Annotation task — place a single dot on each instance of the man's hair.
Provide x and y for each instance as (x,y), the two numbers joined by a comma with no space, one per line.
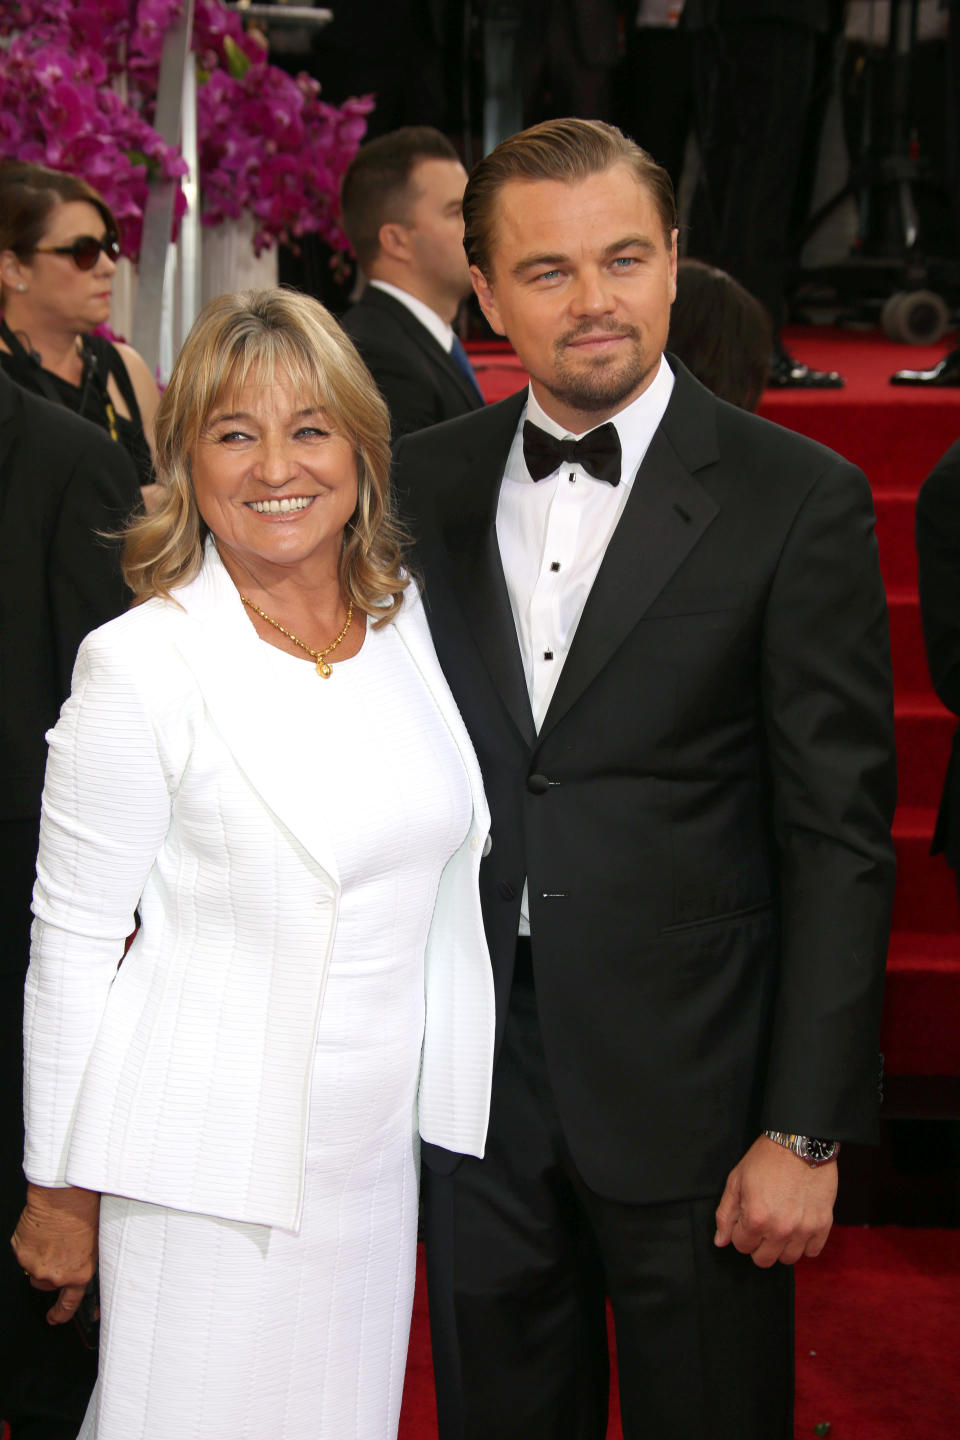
(565,150)
(376,189)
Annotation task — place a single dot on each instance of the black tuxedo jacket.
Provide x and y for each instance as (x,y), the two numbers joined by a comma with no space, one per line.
(705,814)
(415,375)
(938,554)
(62,480)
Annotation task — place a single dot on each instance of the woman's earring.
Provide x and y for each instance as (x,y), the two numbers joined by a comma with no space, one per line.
(21,287)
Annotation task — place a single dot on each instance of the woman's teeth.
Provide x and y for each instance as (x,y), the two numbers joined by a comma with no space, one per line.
(280,507)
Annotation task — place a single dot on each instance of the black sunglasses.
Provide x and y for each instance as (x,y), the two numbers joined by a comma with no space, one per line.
(85,250)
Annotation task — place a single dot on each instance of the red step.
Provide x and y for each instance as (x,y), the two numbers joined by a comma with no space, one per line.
(920,1036)
(898,553)
(910,673)
(926,894)
(924,732)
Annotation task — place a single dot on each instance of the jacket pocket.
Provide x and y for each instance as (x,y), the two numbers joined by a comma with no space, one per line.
(726,918)
(672,603)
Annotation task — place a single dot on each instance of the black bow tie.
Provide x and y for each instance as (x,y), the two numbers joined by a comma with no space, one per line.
(598,452)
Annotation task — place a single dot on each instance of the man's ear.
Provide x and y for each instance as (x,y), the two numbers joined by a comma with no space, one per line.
(488,304)
(394,240)
(674,234)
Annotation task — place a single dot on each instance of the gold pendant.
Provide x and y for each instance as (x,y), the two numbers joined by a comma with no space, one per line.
(324,669)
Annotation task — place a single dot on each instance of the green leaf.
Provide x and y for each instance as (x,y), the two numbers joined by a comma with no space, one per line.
(823,1428)
(237,62)
(137,157)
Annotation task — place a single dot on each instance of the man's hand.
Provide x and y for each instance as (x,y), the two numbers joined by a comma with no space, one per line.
(775,1206)
(55,1243)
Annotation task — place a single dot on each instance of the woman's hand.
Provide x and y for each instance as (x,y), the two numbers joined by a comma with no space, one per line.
(55,1243)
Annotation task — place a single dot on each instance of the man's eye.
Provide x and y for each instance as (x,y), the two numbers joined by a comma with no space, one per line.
(548,275)
(624,262)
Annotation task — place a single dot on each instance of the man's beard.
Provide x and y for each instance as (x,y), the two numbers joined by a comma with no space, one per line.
(601,386)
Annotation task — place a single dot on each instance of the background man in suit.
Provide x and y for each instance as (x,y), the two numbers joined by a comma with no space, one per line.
(61,481)
(669,642)
(402,209)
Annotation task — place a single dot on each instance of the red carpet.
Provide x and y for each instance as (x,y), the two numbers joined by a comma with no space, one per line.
(878,1331)
(895,435)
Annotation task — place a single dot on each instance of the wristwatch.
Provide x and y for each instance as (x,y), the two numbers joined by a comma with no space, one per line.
(815,1152)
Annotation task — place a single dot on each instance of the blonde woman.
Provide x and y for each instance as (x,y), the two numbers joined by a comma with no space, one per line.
(264,759)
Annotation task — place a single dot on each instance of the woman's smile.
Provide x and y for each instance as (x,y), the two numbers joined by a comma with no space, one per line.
(282,506)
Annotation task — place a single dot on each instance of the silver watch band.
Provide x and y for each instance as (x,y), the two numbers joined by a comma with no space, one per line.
(815,1152)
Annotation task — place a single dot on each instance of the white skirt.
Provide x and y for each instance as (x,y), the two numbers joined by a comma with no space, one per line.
(216,1330)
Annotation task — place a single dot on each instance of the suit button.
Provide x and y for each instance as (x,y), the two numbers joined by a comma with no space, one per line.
(538,784)
(505,890)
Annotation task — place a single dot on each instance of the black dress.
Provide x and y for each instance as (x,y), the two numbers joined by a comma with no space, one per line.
(90,398)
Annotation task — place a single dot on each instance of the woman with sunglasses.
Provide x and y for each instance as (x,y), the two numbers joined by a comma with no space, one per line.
(58,251)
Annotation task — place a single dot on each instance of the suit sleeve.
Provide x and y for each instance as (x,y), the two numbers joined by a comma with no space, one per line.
(828,715)
(86,587)
(938,555)
(106,811)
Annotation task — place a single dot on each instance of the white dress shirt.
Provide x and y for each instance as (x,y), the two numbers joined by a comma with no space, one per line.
(439,329)
(553,535)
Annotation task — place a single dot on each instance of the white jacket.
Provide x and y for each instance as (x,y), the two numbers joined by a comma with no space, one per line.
(174,784)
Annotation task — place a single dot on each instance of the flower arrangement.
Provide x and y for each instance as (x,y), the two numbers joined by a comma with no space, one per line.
(78,86)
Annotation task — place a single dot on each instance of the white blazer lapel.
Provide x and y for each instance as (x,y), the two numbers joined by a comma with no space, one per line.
(411,623)
(221,647)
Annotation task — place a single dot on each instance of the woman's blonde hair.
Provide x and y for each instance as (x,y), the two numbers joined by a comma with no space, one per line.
(245,338)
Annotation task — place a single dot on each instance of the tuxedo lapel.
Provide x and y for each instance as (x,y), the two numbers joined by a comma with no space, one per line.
(667,512)
(469,534)
(417,334)
(439,358)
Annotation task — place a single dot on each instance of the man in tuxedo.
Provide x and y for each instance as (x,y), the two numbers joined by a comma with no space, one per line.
(402,209)
(63,482)
(663,621)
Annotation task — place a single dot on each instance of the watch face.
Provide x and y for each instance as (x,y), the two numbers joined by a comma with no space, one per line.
(820,1150)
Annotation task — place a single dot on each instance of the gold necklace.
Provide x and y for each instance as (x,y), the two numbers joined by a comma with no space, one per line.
(319,655)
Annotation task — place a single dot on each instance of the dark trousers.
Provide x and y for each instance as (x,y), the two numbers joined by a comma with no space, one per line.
(752,87)
(46,1373)
(653,95)
(521,1255)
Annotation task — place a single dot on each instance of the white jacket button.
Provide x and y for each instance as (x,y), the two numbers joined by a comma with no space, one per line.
(474,842)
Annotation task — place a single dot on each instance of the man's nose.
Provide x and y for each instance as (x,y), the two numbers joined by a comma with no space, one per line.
(592,294)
